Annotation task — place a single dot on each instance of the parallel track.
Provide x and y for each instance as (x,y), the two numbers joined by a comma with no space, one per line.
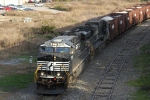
(106,85)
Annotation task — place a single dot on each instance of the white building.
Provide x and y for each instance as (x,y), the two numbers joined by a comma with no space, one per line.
(7,2)
(15,2)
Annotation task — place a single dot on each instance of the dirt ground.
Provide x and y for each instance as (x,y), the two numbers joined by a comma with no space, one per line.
(16,65)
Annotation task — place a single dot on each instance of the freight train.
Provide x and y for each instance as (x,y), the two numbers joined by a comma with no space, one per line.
(63,58)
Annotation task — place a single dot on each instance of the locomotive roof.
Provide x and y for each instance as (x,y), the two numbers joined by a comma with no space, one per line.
(117,16)
(95,20)
(62,39)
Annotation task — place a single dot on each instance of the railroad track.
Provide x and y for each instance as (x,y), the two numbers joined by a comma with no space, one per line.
(105,87)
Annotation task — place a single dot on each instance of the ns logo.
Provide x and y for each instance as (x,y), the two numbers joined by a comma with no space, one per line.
(50,66)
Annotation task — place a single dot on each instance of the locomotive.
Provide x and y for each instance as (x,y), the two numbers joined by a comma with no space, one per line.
(62,59)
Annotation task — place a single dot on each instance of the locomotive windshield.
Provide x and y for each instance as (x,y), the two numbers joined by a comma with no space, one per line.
(55,49)
(49,49)
(46,49)
(62,49)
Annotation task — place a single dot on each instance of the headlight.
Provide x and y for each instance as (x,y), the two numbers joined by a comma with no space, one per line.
(58,73)
(42,73)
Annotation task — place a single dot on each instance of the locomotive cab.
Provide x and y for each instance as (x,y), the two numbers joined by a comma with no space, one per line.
(53,62)
(63,58)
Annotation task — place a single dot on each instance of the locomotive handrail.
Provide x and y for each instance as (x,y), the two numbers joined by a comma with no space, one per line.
(64,69)
(35,73)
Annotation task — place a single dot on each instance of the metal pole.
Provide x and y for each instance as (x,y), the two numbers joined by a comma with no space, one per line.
(30,61)
(30,68)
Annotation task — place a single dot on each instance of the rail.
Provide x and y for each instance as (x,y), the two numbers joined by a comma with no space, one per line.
(104,88)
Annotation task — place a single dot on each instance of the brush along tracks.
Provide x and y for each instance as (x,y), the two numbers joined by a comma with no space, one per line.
(105,87)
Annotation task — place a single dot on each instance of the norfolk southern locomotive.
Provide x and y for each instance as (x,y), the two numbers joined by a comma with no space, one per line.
(62,58)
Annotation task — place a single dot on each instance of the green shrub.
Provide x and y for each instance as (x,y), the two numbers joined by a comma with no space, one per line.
(43,30)
(47,29)
(63,8)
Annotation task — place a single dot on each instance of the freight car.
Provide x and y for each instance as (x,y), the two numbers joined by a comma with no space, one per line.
(63,58)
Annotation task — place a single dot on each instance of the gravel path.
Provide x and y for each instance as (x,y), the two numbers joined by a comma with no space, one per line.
(84,85)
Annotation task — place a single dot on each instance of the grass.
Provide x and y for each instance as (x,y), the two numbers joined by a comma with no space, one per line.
(27,57)
(142,61)
(18,37)
(62,7)
(17,81)
(142,82)
(24,36)
(141,95)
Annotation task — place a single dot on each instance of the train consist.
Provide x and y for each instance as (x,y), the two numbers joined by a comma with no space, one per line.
(63,58)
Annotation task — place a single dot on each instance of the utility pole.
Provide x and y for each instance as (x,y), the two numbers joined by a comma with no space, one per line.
(30,61)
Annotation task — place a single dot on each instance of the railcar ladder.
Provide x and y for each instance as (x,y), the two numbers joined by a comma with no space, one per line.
(35,73)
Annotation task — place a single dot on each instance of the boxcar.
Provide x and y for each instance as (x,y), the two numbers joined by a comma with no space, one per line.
(130,17)
(135,16)
(147,8)
(141,13)
(127,19)
(121,20)
(113,26)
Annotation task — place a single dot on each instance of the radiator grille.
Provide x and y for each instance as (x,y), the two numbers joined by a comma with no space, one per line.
(53,66)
